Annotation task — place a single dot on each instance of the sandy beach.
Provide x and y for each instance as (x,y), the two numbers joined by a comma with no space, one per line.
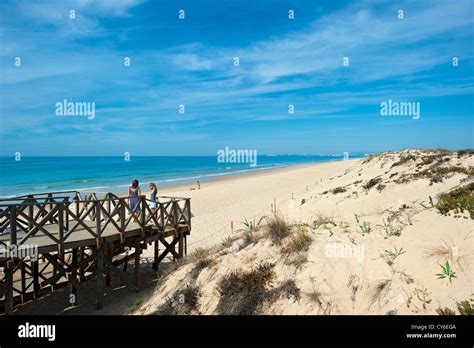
(248,196)
(374,240)
(392,266)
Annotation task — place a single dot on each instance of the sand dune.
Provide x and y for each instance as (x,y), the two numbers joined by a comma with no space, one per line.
(365,237)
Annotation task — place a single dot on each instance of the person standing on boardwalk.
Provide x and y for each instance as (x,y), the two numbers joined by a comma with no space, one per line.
(153,192)
(134,193)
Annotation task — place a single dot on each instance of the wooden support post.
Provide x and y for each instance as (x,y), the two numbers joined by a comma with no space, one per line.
(156,252)
(30,213)
(36,286)
(122,220)
(137,263)
(13,239)
(142,214)
(181,246)
(100,278)
(162,218)
(173,248)
(109,256)
(23,280)
(175,216)
(66,214)
(9,287)
(82,266)
(61,230)
(97,224)
(50,199)
(74,263)
(122,277)
(125,264)
(185,245)
(188,210)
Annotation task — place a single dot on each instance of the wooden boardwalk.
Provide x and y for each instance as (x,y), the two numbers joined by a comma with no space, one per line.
(52,240)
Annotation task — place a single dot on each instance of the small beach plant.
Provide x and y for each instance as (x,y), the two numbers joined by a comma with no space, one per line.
(323,221)
(298,242)
(252,225)
(392,312)
(387,229)
(423,295)
(278,229)
(445,311)
(227,242)
(357,218)
(371,183)
(249,237)
(338,190)
(184,301)
(365,227)
(344,226)
(465,307)
(447,272)
(392,255)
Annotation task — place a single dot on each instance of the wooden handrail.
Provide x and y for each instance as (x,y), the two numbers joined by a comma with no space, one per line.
(33,215)
(36,194)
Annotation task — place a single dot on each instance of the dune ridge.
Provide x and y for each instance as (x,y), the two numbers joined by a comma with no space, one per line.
(364,236)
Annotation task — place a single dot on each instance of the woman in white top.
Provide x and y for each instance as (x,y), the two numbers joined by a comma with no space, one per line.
(153,193)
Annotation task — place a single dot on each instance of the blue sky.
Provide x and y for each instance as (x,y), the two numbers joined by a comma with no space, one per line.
(191,62)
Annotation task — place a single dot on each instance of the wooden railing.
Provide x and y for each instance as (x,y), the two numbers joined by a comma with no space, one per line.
(58,215)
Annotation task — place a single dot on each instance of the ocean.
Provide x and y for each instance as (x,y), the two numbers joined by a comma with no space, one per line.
(114,174)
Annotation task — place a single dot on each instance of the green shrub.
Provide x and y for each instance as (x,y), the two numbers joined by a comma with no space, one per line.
(338,190)
(445,311)
(403,160)
(184,301)
(299,242)
(465,308)
(458,200)
(242,292)
(371,183)
(278,229)
(465,152)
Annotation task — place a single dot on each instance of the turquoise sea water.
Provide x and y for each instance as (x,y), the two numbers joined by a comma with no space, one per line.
(114,174)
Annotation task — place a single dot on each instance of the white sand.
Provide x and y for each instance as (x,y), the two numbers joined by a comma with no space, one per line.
(364,282)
